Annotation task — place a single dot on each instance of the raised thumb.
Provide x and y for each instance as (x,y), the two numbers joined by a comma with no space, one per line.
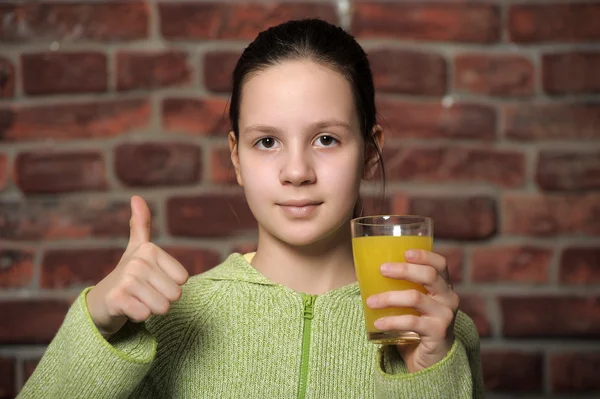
(140,222)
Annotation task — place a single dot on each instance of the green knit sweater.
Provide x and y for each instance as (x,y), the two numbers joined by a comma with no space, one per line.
(236,334)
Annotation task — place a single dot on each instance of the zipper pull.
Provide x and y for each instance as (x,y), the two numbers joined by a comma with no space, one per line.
(309,303)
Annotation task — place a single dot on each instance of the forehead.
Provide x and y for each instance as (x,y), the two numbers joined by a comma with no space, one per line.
(296,93)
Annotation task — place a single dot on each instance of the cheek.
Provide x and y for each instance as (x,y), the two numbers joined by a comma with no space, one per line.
(257,176)
(344,172)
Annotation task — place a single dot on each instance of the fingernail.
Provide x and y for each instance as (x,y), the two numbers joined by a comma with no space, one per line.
(410,254)
(372,301)
(378,323)
(386,268)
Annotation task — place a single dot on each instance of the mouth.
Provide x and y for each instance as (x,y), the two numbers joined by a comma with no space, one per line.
(300,203)
(299,209)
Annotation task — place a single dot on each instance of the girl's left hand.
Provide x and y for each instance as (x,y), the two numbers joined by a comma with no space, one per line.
(438,308)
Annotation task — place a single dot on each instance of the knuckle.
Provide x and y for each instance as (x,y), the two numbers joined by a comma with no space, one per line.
(455,301)
(430,275)
(447,316)
(412,322)
(140,315)
(148,247)
(176,294)
(162,307)
(137,266)
(129,284)
(415,297)
(115,296)
(400,268)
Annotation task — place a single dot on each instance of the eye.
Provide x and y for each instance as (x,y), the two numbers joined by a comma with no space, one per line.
(326,141)
(266,143)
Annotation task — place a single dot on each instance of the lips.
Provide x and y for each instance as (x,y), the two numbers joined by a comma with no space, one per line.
(298,209)
(300,203)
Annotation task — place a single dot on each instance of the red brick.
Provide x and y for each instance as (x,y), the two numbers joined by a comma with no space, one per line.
(214,20)
(100,119)
(455,164)
(539,215)
(494,74)
(55,73)
(531,23)
(195,260)
(4,171)
(207,116)
(524,264)
(218,68)
(158,164)
(7,378)
(474,306)
(550,317)
(31,321)
(575,372)
(70,21)
(57,219)
(568,170)
(209,216)
(575,121)
(454,261)
(476,23)
(41,173)
(571,73)
(427,120)
(513,371)
(141,70)
(16,267)
(458,218)
(408,72)
(67,268)
(29,367)
(222,170)
(7,78)
(580,265)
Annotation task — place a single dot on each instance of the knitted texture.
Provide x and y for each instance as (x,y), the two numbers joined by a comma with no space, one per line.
(236,334)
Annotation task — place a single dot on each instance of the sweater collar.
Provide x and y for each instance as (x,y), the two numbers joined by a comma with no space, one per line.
(237,267)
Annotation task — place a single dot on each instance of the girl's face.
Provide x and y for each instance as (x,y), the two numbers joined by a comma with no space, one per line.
(300,154)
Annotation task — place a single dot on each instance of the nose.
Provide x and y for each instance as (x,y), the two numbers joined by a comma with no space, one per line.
(297,168)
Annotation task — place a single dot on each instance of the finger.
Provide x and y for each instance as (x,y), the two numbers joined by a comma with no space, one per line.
(423,303)
(171,267)
(164,284)
(154,256)
(135,310)
(148,296)
(423,257)
(425,275)
(423,326)
(139,224)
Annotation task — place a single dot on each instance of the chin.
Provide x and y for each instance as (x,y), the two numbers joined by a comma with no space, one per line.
(303,236)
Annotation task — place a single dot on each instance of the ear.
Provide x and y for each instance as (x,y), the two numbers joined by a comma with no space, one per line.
(371,153)
(235,159)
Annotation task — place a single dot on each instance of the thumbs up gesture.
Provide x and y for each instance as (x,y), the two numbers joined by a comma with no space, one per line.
(145,281)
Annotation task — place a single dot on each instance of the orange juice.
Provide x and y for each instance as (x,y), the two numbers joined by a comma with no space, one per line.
(369,254)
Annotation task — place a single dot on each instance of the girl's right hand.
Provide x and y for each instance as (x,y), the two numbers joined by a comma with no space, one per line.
(145,282)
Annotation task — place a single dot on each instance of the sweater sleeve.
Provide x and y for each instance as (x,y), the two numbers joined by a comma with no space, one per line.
(80,363)
(458,375)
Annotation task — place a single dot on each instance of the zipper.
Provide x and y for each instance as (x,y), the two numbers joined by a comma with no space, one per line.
(309,303)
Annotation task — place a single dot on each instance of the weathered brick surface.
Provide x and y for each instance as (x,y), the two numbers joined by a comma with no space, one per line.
(491,113)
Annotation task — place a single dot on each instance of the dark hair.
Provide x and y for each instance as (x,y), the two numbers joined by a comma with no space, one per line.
(320,42)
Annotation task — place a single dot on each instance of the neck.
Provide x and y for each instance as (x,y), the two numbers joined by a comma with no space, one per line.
(314,269)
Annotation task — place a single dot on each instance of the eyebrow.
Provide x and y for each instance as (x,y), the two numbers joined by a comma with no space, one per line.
(317,125)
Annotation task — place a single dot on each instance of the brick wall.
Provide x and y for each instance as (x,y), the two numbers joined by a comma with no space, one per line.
(493,116)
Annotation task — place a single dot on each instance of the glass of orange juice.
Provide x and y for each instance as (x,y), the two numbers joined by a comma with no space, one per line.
(382,239)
